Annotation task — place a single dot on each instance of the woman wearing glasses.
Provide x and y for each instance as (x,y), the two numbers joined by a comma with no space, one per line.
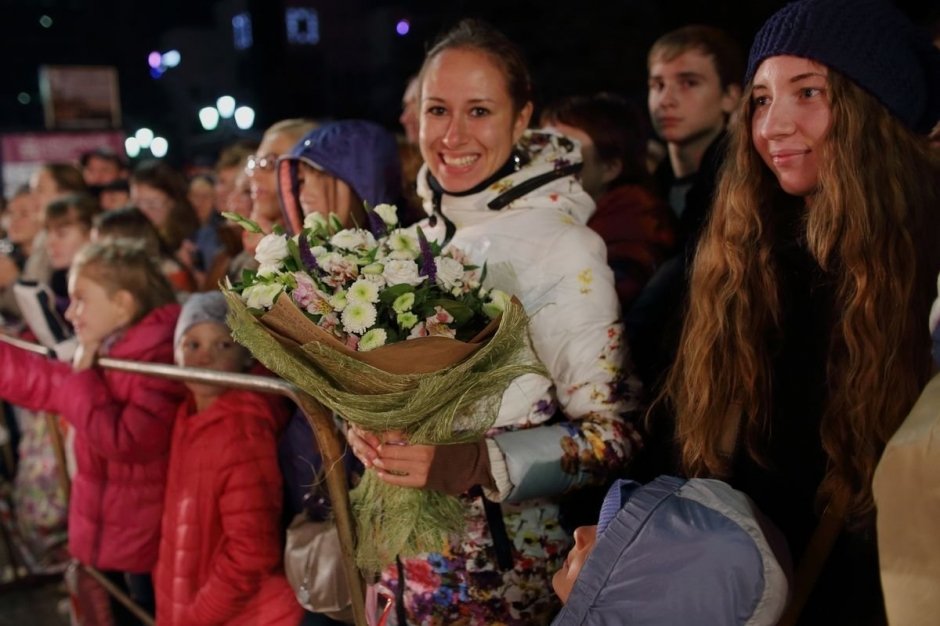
(277,140)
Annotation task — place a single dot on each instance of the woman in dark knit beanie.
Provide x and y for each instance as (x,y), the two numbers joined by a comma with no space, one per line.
(804,346)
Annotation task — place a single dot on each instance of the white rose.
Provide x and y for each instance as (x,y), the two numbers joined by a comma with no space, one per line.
(271,250)
(449,272)
(388,213)
(353,239)
(404,244)
(261,296)
(498,303)
(315,221)
(266,269)
(397,272)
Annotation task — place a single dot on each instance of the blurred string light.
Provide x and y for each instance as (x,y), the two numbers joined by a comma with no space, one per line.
(226,108)
(159,147)
(402,27)
(241,31)
(144,139)
(132,147)
(160,62)
(303,26)
(23,98)
(244,117)
(209,117)
(171,58)
(45,21)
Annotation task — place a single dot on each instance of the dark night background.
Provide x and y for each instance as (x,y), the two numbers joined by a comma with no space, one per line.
(357,69)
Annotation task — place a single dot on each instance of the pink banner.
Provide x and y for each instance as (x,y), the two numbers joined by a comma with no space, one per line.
(22,153)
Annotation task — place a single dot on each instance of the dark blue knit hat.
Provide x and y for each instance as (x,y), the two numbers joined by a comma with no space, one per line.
(868,41)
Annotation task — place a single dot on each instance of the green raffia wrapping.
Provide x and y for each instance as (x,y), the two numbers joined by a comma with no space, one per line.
(455,404)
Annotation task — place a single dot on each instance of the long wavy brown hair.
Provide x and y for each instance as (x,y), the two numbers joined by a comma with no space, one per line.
(873,230)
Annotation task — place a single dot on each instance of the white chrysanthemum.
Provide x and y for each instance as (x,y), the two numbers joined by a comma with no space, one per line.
(338,301)
(362,291)
(262,295)
(404,302)
(271,250)
(388,213)
(373,339)
(358,317)
(449,272)
(398,272)
(407,320)
(317,252)
(353,239)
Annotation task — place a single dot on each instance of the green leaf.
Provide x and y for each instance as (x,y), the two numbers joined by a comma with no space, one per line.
(389,294)
(294,250)
(335,224)
(461,312)
(278,229)
(247,224)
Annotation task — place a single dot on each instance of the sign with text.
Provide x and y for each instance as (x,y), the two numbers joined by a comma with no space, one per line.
(80,96)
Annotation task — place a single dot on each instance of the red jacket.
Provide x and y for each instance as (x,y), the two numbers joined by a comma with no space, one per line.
(638,229)
(221,552)
(123,424)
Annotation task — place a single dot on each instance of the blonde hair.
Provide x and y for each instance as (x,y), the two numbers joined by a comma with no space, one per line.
(294,128)
(120,263)
(872,230)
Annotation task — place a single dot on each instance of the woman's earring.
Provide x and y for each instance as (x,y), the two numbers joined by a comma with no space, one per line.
(517,162)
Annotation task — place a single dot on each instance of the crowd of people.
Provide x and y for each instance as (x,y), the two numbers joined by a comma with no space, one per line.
(736,292)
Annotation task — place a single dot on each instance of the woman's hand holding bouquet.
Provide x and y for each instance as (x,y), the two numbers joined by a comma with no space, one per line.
(398,337)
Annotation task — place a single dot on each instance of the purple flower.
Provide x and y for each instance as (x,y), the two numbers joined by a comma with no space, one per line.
(306,256)
(428,268)
(376,225)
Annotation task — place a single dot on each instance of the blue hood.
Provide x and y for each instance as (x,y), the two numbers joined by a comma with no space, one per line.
(362,154)
(679,552)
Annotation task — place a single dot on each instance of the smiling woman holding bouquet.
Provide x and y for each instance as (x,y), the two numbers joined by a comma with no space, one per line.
(510,198)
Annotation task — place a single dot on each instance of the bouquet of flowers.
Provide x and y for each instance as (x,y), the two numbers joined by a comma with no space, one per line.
(391,332)
(369,288)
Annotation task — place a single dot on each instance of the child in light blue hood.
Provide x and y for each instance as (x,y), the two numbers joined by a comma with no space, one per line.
(674,551)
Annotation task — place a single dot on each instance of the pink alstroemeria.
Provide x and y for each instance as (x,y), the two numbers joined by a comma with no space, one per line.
(329,322)
(437,324)
(309,297)
(418,331)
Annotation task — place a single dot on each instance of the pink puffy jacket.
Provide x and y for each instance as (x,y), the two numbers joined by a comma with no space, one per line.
(123,425)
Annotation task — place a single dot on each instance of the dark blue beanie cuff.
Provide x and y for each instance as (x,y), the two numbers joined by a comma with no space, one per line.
(870,42)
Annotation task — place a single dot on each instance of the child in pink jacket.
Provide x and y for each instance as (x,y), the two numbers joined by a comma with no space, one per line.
(121,307)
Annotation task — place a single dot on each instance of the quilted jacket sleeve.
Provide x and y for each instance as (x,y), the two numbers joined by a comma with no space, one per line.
(32,381)
(136,430)
(251,490)
(577,333)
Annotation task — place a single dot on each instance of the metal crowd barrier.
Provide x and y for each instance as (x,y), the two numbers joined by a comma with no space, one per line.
(328,439)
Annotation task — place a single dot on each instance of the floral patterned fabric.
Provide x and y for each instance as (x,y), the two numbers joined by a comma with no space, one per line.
(39,499)
(552,435)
